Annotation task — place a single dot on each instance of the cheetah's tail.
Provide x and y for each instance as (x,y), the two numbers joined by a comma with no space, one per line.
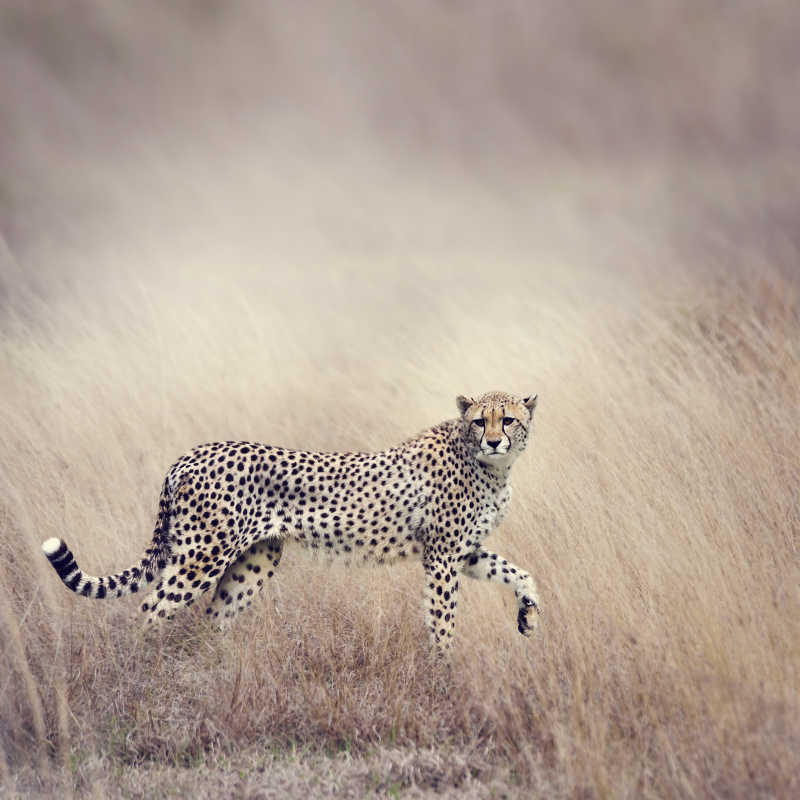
(120,583)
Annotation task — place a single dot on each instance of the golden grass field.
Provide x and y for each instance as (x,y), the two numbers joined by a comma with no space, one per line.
(574,208)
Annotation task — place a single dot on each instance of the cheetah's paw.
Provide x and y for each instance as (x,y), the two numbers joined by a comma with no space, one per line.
(527,618)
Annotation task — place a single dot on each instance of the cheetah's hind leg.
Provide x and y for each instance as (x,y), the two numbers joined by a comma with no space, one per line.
(244,578)
(178,587)
(190,572)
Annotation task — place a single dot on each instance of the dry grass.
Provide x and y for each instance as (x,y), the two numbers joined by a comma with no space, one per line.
(167,289)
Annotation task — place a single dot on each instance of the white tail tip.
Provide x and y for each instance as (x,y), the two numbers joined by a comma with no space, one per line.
(51,545)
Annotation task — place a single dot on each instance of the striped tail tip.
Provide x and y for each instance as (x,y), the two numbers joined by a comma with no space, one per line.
(63,562)
(52,547)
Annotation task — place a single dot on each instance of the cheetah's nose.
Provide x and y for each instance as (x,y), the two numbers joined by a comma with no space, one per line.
(493,443)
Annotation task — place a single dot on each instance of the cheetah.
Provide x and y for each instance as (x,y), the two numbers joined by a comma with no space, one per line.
(227,510)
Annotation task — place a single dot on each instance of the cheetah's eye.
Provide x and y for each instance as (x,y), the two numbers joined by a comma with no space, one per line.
(508,420)
(479,422)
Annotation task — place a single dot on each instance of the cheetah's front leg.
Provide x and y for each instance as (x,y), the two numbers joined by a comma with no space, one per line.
(441,590)
(482,564)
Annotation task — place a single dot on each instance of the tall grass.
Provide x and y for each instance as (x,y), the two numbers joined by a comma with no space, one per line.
(657,507)
(228,281)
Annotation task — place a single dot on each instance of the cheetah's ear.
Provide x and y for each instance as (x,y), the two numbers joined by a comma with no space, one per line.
(530,402)
(463,403)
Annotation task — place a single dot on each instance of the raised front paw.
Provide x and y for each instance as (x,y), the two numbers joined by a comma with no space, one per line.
(528,615)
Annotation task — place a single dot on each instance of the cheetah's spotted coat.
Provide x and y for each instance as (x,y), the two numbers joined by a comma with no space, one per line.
(227,510)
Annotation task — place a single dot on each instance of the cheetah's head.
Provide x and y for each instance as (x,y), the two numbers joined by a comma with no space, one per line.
(496,426)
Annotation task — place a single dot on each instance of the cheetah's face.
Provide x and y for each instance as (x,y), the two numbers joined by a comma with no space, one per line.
(496,426)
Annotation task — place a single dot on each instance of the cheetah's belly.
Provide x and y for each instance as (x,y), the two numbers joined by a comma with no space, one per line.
(381,528)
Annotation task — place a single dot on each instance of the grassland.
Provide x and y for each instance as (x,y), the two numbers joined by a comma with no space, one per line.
(173,273)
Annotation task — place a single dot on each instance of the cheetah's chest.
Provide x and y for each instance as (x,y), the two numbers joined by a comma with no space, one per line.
(494,511)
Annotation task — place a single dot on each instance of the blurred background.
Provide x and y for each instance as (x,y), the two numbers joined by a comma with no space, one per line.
(271,136)
(314,224)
